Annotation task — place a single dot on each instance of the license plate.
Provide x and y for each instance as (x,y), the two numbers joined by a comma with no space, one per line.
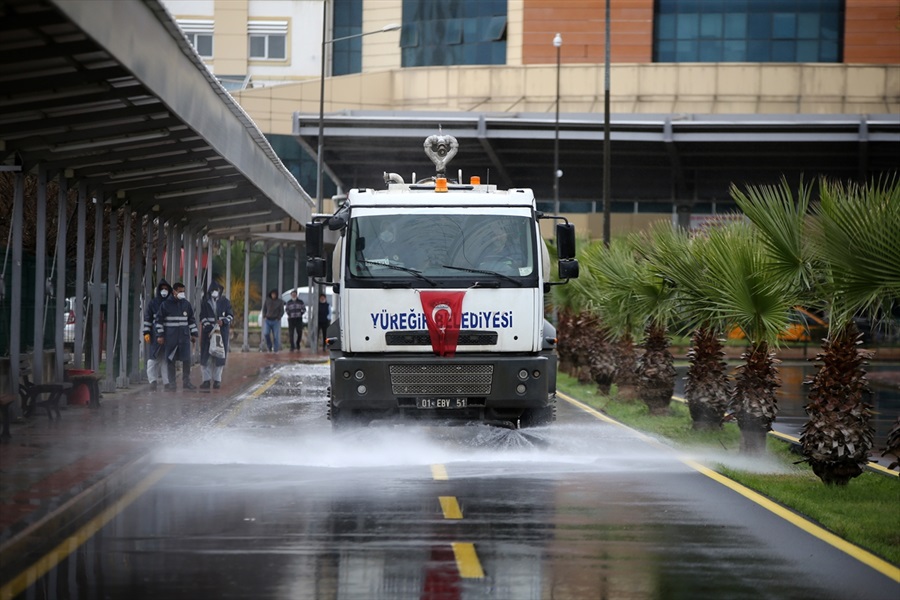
(441,402)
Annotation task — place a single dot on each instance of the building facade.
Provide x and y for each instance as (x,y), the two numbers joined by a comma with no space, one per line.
(803,65)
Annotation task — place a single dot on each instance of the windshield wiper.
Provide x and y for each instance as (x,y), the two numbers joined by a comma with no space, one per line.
(484,272)
(399,268)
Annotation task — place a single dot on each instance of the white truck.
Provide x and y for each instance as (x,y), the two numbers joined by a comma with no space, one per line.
(441,312)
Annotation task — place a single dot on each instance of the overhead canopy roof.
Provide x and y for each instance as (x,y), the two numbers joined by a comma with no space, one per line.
(113,94)
(654,158)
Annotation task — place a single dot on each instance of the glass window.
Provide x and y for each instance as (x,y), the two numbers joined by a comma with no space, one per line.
(748,30)
(784,25)
(204,44)
(276,46)
(257,46)
(409,35)
(453,32)
(711,26)
(441,247)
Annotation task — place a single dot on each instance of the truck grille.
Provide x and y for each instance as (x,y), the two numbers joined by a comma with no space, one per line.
(450,380)
(421,338)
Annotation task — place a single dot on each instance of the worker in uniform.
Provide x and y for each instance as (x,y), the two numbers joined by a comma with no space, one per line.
(176,330)
(155,358)
(215,310)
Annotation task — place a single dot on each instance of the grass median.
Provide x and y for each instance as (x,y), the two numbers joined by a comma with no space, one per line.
(866,512)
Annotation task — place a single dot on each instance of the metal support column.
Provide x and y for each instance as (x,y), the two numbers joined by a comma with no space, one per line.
(61,226)
(81,236)
(228,268)
(125,319)
(295,283)
(96,282)
(246,346)
(15,329)
(280,269)
(109,382)
(40,277)
(137,289)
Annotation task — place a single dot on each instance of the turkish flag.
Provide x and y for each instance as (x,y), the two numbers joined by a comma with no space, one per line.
(443,313)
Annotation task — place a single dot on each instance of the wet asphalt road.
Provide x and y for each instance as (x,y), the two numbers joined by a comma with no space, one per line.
(268,503)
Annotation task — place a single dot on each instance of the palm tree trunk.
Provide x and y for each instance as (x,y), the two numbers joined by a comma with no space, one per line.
(706,388)
(753,399)
(656,371)
(838,437)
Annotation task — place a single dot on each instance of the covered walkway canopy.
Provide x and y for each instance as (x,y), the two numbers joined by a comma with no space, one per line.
(110,98)
(656,160)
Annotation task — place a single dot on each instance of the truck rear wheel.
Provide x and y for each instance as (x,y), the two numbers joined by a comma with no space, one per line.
(536,417)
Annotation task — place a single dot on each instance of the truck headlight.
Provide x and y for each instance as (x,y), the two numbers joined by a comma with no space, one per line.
(523,374)
(359,375)
(361,390)
(520,389)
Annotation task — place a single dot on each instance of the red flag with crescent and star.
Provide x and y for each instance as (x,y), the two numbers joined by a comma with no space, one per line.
(443,313)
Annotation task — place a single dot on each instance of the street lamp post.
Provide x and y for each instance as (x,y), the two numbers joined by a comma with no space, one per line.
(325,42)
(557,42)
(313,307)
(606,144)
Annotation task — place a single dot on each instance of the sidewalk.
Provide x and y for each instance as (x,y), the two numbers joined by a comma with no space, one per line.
(49,466)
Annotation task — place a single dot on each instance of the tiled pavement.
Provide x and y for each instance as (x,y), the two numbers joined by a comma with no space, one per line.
(48,465)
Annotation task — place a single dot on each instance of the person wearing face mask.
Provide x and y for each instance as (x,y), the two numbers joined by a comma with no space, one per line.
(176,330)
(215,309)
(273,309)
(155,358)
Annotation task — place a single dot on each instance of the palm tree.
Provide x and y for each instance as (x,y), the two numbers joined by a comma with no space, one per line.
(846,258)
(631,296)
(752,296)
(678,256)
(856,234)
(586,339)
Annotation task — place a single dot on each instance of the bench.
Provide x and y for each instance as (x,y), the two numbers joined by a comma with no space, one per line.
(31,393)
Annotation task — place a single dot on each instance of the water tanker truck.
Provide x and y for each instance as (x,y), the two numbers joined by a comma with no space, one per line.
(441,312)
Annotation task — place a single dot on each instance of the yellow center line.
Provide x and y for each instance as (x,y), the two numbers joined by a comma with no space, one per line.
(467,560)
(864,556)
(49,561)
(450,507)
(439,473)
(229,418)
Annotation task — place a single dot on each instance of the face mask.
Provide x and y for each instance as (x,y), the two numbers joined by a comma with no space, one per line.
(180,295)
(164,293)
(215,294)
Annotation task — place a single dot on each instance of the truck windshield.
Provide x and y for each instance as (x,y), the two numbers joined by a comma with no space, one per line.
(442,246)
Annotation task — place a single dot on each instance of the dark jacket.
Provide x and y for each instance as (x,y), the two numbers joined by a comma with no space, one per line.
(175,322)
(324,313)
(273,309)
(295,308)
(213,311)
(150,314)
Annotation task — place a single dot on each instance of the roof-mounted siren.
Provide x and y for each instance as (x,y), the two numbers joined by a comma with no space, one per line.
(441,149)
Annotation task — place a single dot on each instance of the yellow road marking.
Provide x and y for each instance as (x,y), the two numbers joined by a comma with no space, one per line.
(843,545)
(826,536)
(450,507)
(439,473)
(467,560)
(49,561)
(233,414)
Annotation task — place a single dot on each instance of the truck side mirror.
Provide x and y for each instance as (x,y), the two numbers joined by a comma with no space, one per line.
(315,243)
(568,269)
(315,251)
(565,241)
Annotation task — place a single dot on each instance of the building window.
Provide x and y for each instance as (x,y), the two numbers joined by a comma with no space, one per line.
(199,32)
(748,31)
(346,56)
(268,40)
(464,32)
